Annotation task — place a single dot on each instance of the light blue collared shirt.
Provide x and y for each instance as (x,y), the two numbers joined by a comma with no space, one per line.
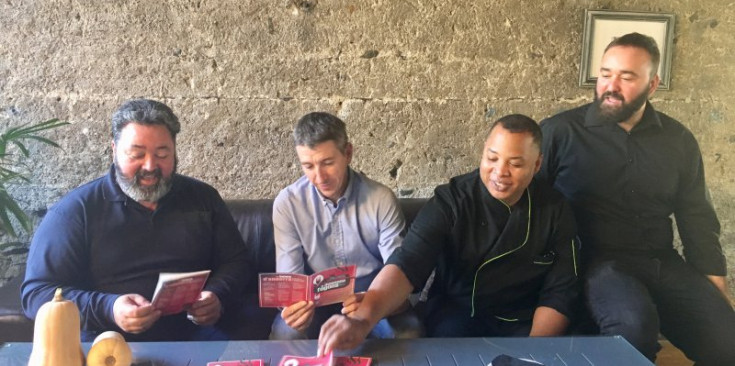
(363,228)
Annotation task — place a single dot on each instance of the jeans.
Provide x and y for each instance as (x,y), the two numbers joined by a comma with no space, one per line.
(447,319)
(403,325)
(639,296)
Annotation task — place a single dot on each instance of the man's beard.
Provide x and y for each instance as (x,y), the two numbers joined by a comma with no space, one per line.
(133,189)
(615,115)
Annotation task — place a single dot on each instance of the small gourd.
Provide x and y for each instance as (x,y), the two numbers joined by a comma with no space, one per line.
(109,349)
(56,334)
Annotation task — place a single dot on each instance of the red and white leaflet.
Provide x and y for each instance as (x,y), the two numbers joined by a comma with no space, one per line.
(176,291)
(326,360)
(352,361)
(236,363)
(282,289)
(333,285)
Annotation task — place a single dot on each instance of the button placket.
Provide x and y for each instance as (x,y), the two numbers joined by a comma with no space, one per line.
(338,245)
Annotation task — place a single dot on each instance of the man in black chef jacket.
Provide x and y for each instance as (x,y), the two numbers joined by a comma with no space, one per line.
(501,244)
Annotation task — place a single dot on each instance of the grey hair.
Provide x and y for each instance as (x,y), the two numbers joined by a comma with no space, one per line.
(144,112)
(317,127)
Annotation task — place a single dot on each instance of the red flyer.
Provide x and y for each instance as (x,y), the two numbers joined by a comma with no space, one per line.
(236,363)
(329,286)
(326,360)
(352,361)
(175,291)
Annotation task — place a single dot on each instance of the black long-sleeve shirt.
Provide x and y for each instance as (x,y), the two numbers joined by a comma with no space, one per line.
(624,186)
(97,243)
(495,260)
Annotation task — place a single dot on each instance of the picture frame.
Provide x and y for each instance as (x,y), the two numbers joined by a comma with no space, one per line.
(601,26)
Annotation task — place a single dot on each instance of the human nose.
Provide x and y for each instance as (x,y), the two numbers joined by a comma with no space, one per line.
(320,174)
(149,163)
(501,169)
(613,84)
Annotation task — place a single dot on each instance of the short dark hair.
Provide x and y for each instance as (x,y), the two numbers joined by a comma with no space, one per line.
(641,41)
(144,112)
(519,123)
(317,127)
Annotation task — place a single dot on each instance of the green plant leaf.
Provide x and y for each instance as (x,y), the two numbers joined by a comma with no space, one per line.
(16,251)
(44,140)
(15,136)
(23,149)
(14,247)
(10,207)
(12,244)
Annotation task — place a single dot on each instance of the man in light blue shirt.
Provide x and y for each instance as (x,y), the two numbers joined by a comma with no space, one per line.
(331,216)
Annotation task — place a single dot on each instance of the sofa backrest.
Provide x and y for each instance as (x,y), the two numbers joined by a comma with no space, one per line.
(255,221)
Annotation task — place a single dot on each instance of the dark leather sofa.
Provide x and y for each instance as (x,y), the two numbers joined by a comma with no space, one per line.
(253,219)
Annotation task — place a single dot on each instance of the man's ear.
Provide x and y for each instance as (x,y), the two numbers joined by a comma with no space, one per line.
(653,85)
(112,152)
(348,152)
(537,166)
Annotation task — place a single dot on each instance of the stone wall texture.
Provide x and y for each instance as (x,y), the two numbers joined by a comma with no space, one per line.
(417,82)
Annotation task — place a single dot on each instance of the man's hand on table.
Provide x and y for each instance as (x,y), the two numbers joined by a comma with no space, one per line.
(133,313)
(299,315)
(206,310)
(342,332)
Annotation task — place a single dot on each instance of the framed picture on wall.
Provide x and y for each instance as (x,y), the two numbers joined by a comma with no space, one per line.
(601,26)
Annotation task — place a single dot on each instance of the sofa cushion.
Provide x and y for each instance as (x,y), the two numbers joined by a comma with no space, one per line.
(14,326)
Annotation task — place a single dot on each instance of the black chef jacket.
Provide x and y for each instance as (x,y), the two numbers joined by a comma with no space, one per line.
(498,261)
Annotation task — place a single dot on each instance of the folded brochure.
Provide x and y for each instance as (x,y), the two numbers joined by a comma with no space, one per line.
(176,291)
(236,363)
(326,360)
(326,287)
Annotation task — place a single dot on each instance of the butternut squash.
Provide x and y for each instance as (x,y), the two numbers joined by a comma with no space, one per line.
(109,349)
(56,334)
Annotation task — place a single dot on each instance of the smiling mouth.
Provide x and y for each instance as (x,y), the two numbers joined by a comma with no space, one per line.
(148,181)
(148,178)
(501,187)
(613,100)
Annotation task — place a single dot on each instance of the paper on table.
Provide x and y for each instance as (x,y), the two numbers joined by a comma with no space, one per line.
(326,360)
(236,363)
(352,361)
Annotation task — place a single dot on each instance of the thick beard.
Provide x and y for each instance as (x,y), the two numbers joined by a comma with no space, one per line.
(132,188)
(615,115)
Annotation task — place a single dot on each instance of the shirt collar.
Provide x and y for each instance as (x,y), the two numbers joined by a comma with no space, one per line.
(648,120)
(112,191)
(351,176)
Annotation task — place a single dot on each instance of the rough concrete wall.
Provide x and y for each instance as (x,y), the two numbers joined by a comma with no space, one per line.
(417,81)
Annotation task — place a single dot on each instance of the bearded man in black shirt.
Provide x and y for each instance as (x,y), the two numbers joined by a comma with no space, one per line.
(625,169)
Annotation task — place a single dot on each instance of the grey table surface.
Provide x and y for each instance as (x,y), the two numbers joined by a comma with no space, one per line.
(551,351)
